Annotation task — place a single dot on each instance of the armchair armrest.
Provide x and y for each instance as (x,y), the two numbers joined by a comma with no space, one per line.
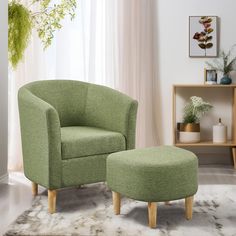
(109,109)
(131,127)
(41,140)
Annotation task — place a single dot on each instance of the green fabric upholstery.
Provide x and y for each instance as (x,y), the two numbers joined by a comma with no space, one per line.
(67,97)
(53,115)
(79,141)
(153,174)
(107,109)
(41,140)
(84,170)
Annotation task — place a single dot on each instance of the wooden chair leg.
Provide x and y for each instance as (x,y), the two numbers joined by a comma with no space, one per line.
(152,214)
(52,195)
(116,202)
(234,156)
(34,189)
(189,207)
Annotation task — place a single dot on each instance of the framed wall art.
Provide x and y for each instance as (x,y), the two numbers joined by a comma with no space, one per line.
(203,41)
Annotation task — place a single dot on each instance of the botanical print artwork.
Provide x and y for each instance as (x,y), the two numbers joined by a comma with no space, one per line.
(203,36)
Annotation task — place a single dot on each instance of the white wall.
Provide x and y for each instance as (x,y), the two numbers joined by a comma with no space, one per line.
(3,89)
(174,65)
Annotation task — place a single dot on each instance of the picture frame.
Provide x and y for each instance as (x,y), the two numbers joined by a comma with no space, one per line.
(203,36)
(210,76)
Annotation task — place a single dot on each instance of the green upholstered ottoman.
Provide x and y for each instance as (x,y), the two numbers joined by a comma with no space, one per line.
(158,174)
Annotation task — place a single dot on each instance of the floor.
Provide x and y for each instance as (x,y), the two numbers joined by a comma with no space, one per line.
(16,196)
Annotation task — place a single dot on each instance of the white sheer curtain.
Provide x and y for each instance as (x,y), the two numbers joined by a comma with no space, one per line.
(110,42)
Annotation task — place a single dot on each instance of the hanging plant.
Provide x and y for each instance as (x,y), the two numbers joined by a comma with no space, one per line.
(19,30)
(46,20)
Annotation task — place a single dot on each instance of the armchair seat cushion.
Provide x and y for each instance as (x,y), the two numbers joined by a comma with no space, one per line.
(81,141)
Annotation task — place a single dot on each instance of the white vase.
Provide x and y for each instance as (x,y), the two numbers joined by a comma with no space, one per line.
(219,133)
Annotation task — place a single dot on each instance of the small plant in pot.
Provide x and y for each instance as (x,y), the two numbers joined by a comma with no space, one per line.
(193,111)
(226,63)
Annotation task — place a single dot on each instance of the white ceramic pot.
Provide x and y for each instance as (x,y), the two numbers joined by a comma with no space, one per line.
(189,137)
(189,132)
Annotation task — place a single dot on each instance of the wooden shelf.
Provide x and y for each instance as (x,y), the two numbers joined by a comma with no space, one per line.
(229,143)
(180,88)
(204,86)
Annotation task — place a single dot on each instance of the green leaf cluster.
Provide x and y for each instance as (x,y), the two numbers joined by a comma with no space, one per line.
(195,109)
(49,18)
(46,20)
(225,63)
(19,31)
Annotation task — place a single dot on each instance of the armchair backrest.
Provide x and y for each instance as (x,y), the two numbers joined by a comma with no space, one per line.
(107,108)
(81,103)
(67,97)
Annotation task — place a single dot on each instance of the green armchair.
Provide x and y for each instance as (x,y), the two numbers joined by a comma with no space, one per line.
(68,129)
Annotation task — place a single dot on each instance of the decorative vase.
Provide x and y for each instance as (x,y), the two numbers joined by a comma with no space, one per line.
(225,80)
(219,133)
(189,132)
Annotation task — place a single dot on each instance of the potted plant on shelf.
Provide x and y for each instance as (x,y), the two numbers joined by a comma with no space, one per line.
(189,130)
(225,63)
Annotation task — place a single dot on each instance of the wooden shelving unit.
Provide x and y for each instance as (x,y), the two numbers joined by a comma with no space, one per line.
(229,143)
(206,143)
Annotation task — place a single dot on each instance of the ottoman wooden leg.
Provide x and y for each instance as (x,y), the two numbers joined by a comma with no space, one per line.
(189,207)
(152,214)
(52,195)
(116,202)
(34,189)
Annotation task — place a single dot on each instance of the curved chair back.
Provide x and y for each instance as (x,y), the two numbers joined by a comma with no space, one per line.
(83,104)
(67,97)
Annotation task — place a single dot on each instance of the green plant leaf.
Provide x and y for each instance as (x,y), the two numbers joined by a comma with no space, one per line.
(19,31)
(46,20)
(225,63)
(50,18)
(195,109)
(231,66)
(215,67)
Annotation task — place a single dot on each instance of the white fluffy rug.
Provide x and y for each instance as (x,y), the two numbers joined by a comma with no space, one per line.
(89,211)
